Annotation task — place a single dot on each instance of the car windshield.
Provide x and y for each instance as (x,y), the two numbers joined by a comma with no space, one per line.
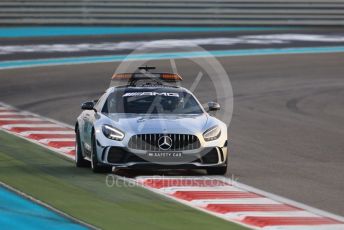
(151,101)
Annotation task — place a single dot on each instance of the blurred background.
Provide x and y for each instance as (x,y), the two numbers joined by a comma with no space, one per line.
(172,12)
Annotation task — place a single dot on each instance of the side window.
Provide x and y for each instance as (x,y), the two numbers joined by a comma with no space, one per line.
(110,105)
(105,107)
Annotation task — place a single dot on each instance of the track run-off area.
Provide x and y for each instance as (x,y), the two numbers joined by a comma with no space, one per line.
(285,136)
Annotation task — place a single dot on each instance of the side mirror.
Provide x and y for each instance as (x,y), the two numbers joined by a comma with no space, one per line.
(213,106)
(89,105)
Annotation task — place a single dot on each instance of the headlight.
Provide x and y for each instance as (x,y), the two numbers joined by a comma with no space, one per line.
(113,133)
(212,134)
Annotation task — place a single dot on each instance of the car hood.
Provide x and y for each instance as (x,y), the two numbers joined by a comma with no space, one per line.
(136,123)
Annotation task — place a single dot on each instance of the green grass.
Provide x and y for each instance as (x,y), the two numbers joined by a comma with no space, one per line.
(54,180)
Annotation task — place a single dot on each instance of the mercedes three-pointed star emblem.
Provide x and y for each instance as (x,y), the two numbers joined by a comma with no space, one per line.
(165,143)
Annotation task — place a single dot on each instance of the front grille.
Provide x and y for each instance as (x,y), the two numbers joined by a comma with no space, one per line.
(149,142)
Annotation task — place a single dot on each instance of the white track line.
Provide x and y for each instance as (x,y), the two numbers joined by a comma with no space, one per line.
(31,126)
(171,190)
(5,109)
(242,215)
(48,140)
(314,227)
(204,202)
(21,119)
(27,133)
(66,149)
(9,113)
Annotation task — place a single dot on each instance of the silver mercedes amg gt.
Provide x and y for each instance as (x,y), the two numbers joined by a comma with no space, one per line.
(146,121)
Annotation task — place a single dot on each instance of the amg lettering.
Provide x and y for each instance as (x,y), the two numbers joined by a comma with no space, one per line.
(138,94)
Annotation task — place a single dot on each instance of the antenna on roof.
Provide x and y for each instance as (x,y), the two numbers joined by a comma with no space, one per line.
(146,68)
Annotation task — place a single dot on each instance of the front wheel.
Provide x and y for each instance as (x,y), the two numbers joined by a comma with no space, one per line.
(221,170)
(80,161)
(217,171)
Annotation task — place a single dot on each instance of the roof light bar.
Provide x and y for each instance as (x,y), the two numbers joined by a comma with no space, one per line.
(122,76)
(171,77)
(134,76)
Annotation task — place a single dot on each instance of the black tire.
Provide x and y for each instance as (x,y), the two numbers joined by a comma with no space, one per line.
(96,166)
(217,171)
(80,161)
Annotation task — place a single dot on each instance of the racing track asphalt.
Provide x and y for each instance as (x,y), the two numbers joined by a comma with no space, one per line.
(287,132)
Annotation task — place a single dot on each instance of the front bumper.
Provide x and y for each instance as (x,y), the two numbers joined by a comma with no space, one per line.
(121,157)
